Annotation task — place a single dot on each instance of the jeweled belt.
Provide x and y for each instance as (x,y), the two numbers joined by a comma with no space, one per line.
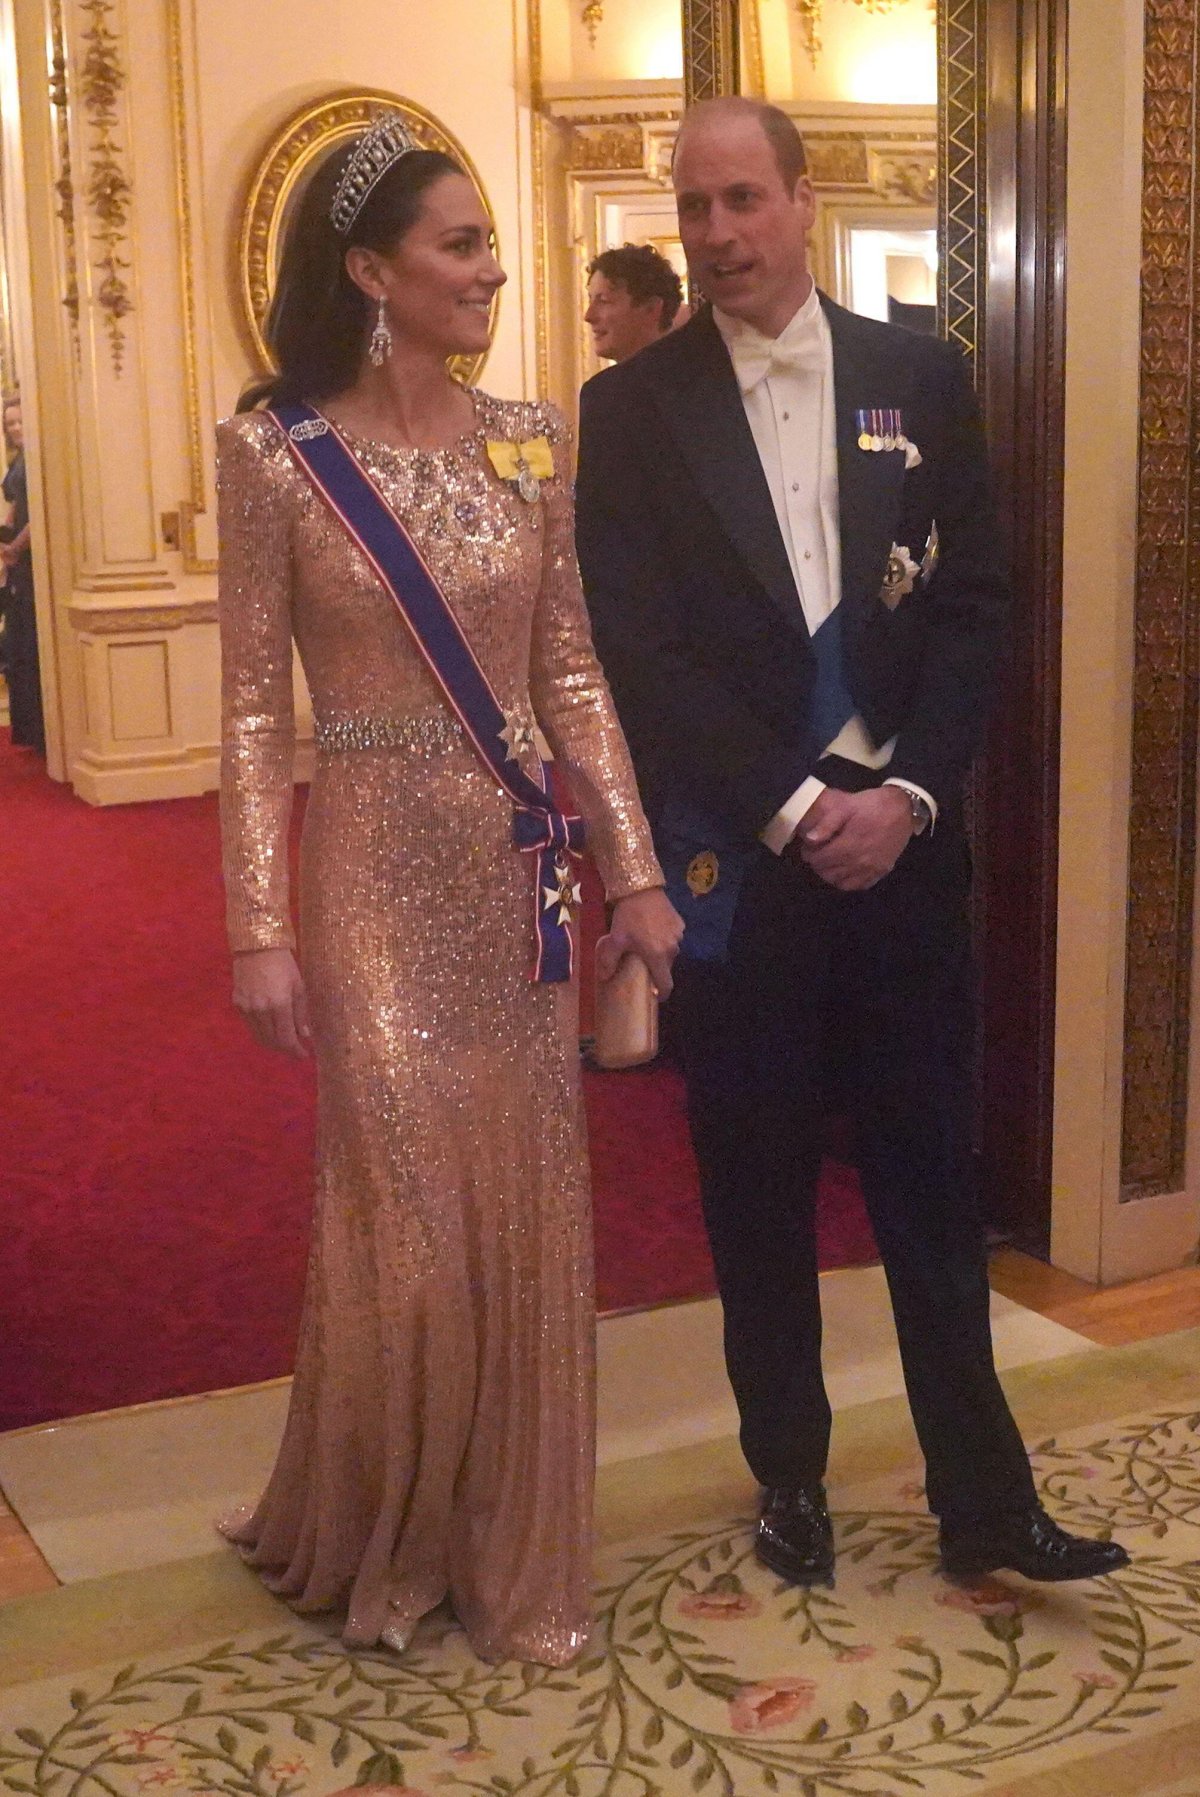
(439,732)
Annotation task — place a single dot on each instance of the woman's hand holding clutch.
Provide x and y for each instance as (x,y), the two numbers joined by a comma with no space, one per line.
(269,992)
(645,924)
(633,970)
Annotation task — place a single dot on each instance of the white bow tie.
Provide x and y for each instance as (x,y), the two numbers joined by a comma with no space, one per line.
(754,361)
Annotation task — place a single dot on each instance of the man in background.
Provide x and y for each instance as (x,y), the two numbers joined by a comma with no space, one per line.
(634,296)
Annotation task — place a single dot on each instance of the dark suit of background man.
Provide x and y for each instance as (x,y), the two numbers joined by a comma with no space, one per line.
(790,557)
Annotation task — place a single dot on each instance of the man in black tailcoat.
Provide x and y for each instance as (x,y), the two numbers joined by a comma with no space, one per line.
(791,562)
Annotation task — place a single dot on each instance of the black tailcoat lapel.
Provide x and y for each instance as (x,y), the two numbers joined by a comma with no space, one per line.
(697,392)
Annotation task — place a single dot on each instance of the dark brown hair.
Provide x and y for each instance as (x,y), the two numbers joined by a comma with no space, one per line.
(644,274)
(320,320)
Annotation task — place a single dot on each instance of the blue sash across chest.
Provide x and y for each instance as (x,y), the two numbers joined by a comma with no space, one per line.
(540,828)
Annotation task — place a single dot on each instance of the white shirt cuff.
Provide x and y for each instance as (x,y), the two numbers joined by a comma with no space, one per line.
(783,825)
(908,786)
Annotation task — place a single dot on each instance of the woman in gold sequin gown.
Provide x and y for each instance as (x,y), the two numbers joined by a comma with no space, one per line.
(440,1436)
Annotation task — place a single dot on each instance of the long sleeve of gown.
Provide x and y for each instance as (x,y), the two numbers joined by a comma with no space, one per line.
(572,702)
(257,720)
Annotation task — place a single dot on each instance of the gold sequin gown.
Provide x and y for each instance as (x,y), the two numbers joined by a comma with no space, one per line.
(440,1440)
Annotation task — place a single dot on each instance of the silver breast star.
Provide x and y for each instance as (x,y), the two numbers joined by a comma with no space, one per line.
(516,735)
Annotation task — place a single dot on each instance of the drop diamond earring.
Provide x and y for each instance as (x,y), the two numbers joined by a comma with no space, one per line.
(381,337)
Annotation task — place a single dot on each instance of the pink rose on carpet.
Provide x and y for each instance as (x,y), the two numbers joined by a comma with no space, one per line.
(141,1740)
(772,1704)
(1097,1681)
(377,1791)
(848,1654)
(988,1598)
(723,1599)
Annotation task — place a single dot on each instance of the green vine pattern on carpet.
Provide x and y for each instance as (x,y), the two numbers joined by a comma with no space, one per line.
(706,1674)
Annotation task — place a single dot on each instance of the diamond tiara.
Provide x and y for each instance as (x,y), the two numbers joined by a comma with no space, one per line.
(374,154)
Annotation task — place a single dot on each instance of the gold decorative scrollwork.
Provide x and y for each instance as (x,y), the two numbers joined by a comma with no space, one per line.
(1166,666)
(615,144)
(107,190)
(291,156)
(593,17)
(64,185)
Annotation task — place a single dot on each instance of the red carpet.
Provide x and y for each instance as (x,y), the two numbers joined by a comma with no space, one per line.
(156,1166)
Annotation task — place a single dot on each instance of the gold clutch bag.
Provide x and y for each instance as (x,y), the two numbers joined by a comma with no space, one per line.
(626,1022)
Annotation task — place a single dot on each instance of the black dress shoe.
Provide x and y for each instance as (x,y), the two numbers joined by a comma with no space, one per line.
(1029,1542)
(795,1535)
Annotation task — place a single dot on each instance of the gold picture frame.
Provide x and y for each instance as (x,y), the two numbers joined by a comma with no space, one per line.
(292,153)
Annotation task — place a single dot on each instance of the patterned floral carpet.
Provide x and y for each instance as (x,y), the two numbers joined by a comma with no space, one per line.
(706,1675)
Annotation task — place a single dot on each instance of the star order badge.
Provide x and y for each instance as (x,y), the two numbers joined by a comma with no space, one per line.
(899,577)
(565,895)
(516,735)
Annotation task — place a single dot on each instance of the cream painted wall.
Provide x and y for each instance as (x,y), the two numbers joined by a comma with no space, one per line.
(634,40)
(459,62)
(869,58)
(201,88)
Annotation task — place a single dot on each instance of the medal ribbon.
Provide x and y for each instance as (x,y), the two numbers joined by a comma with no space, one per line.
(540,828)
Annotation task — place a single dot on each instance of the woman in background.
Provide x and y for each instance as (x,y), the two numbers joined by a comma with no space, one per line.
(440,1437)
(22,668)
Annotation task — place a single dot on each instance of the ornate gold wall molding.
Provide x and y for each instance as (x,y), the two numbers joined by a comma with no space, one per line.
(606,146)
(1162,852)
(64,184)
(754,73)
(107,190)
(129,619)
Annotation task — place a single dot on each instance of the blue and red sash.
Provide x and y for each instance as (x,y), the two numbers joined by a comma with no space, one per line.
(539,827)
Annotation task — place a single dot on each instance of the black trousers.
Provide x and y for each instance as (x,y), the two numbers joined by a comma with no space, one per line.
(880,984)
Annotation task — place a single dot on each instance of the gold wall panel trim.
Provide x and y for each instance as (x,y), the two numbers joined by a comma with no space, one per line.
(754,78)
(710,49)
(306,137)
(196,503)
(187,277)
(962,204)
(107,189)
(129,620)
(1166,665)
(541,222)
